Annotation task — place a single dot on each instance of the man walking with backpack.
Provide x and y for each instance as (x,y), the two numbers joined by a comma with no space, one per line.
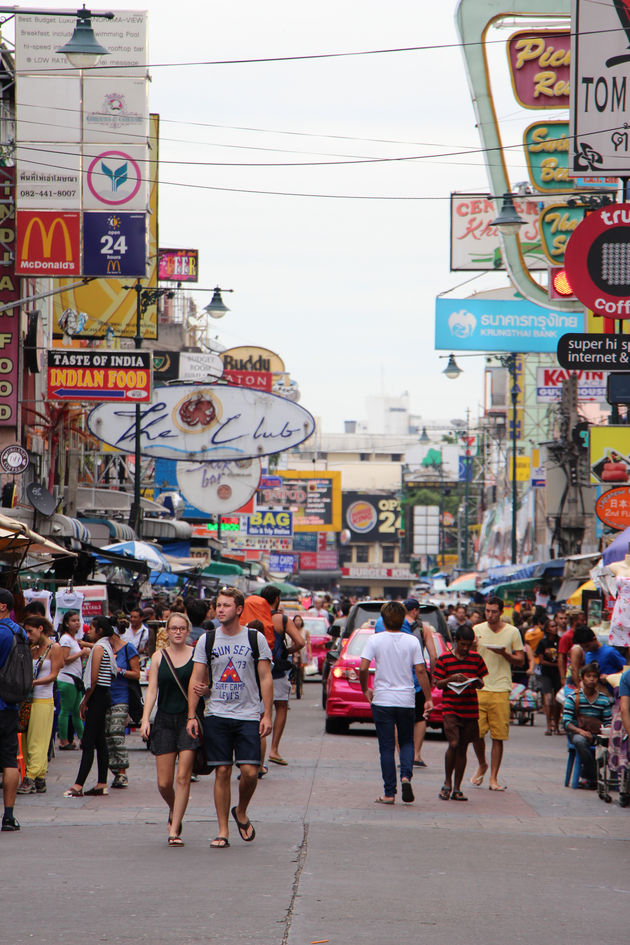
(281,667)
(232,670)
(16,679)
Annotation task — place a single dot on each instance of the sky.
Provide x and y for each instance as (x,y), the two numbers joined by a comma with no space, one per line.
(343,289)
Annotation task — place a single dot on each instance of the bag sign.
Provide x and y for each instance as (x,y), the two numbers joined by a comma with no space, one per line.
(270,522)
(597,260)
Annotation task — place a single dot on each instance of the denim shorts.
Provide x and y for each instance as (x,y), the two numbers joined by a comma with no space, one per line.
(168,734)
(231,741)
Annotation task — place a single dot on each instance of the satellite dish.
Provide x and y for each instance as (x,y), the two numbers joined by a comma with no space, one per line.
(41,499)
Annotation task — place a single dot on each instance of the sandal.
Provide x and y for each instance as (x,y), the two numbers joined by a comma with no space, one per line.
(244,827)
(220,843)
(263,771)
(548,732)
(458,796)
(96,792)
(72,792)
(176,842)
(407,792)
(384,800)
(445,793)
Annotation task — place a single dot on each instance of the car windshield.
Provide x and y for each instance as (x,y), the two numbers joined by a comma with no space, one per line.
(357,643)
(317,626)
(366,611)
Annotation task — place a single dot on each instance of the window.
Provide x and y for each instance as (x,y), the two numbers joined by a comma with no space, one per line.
(362,554)
(388,554)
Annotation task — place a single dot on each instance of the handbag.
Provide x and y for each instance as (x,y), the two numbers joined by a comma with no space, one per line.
(200,762)
(24,711)
(135,706)
(590,724)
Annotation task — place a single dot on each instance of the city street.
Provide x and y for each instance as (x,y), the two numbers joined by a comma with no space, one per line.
(539,862)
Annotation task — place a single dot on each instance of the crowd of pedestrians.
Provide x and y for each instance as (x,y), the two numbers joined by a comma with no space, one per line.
(219,682)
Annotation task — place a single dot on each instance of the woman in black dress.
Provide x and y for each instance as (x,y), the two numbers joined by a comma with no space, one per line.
(170,672)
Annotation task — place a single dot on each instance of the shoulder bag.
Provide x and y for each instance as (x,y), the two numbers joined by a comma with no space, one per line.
(24,712)
(200,763)
(588,722)
(135,705)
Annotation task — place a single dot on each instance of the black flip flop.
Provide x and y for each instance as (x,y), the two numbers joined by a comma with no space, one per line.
(243,827)
(219,843)
(407,792)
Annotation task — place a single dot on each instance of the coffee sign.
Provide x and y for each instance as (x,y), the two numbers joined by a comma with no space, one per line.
(215,422)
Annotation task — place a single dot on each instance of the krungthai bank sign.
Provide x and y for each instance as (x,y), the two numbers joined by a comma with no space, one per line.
(48,243)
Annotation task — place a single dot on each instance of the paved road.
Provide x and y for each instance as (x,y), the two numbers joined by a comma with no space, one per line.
(538,863)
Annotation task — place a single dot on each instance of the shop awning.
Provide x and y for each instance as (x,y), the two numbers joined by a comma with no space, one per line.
(17,539)
(107,530)
(166,529)
(222,569)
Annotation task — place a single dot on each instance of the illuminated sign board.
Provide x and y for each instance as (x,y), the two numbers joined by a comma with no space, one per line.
(178,265)
(116,376)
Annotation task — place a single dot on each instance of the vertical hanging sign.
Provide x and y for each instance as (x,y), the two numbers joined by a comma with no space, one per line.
(9,292)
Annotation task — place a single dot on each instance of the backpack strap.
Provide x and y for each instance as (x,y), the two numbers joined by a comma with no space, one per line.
(210,638)
(252,636)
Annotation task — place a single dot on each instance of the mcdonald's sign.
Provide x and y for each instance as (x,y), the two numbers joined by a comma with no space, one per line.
(48,243)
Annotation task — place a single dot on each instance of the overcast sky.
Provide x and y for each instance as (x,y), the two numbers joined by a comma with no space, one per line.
(342,289)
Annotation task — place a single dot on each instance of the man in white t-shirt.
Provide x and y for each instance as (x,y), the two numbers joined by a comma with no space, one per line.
(137,632)
(393,698)
(232,725)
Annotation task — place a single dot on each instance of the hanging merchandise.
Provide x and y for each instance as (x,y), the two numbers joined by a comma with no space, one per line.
(44,596)
(65,600)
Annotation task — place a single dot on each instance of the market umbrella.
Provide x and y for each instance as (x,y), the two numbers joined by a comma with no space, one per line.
(465,582)
(142,551)
(617,549)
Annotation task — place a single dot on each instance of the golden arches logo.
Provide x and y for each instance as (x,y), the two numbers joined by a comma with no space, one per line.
(47,236)
(113,266)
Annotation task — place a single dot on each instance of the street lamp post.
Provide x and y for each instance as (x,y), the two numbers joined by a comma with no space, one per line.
(144,298)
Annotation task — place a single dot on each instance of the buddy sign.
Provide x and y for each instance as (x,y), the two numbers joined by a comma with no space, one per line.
(205,422)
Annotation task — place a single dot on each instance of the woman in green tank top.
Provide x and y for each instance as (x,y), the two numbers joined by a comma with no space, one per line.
(168,739)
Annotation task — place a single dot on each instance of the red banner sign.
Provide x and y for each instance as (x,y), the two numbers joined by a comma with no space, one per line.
(48,243)
(9,292)
(257,380)
(540,65)
(319,560)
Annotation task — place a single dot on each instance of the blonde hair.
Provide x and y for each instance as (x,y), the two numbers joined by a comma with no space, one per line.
(183,617)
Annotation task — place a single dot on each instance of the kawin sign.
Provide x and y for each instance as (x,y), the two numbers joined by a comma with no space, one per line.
(213,422)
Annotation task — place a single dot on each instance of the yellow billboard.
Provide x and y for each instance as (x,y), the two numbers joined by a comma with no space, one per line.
(610,455)
(102,308)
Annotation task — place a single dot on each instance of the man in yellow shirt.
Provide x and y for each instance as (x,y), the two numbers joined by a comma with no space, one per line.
(500,645)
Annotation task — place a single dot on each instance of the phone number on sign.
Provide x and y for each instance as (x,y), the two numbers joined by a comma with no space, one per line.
(48,193)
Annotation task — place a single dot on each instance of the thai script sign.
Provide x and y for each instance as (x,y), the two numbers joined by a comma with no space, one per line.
(9,292)
(178,265)
(272,522)
(48,243)
(500,325)
(591,385)
(475,245)
(557,223)
(539,63)
(43,184)
(600,104)
(313,497)
(195,422)
(115,376)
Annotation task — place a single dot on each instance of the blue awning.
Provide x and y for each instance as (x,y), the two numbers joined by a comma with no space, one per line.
(524,572)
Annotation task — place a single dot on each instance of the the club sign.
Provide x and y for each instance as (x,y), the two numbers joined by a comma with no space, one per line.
(211,422)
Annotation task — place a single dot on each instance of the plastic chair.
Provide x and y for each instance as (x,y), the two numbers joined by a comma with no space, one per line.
(574,765)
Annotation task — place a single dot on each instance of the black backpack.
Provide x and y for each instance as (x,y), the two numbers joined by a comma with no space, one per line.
(252,636)
(279,654)
(16,675)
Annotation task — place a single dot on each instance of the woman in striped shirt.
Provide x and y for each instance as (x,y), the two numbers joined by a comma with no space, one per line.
(97,678)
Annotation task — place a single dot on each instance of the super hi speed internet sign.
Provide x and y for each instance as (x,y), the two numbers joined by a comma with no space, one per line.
(597,261)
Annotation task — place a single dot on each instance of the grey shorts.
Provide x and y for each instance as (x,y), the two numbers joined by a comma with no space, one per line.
(282,688)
